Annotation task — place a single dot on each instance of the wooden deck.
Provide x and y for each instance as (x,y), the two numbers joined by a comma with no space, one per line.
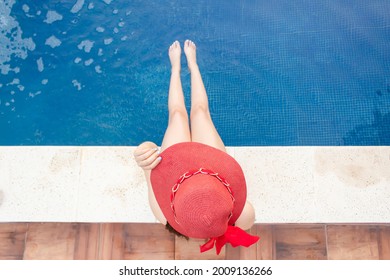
(95,241)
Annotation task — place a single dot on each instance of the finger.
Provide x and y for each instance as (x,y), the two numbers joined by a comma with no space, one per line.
(146,145)
(144,152)
(149,160)
(141,150)
(147,155)
(154,163)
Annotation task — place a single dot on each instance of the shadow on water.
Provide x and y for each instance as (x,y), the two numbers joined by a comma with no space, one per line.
(377,133)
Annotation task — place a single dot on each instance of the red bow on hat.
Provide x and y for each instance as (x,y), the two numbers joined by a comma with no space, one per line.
(233,235)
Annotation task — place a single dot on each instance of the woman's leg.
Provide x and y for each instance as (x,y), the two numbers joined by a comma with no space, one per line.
(202,126)
(178,129)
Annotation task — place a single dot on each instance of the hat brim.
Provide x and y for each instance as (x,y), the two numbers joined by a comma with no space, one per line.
(183,157)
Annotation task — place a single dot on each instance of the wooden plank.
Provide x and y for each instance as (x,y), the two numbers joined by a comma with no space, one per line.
(12,240)
(148,242)
(384,242)
(136,241)
(111,242)
(190,250)
(87,242)
(352,242)
(152,241)
(300,242)
(50,241)
(232,253)
(266,245)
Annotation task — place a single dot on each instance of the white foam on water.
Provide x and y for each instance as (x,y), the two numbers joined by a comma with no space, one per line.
(33,94)
(86,45)
(5,69)
(52,16)
(91,6)
(53,42)
(20,87)
(121,24)
(77,84)
(40,64)
(88,62)
(116,30)
(100,52)
(108,41)
(77,60)
(14,82)
(115,12)
(108,2)
(25,8)
(98,69)
(124,38)
(100,29)
(11,42)
(44,81)
(77,6)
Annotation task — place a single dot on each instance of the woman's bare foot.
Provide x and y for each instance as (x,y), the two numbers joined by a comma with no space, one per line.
(174,55)
(190,51)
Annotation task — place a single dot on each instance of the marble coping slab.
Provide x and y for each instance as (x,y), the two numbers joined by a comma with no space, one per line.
(285,184)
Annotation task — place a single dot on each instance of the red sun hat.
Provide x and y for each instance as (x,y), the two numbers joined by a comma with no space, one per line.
(201,192)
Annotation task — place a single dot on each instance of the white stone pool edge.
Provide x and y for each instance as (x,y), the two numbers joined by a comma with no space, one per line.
(285,184)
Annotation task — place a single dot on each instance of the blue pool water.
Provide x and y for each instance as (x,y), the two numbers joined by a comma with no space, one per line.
(281,72)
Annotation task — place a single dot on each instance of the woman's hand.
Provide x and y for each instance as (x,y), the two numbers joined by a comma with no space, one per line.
(147,156)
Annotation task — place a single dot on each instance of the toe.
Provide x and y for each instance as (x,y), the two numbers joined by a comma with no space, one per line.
(177,44)
(189,43)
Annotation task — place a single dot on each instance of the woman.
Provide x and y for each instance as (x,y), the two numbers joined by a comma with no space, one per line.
(195,187)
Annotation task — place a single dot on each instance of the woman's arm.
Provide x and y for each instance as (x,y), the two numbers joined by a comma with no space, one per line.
(153,202)
(247,217)
(147,157)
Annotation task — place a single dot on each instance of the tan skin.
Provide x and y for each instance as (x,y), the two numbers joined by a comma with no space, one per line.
(178,130)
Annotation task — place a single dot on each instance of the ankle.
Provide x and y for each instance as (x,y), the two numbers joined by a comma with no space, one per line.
(175,69)
(193,67)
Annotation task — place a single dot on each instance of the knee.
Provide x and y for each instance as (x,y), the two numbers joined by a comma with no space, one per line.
(178,114)
(200,111)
